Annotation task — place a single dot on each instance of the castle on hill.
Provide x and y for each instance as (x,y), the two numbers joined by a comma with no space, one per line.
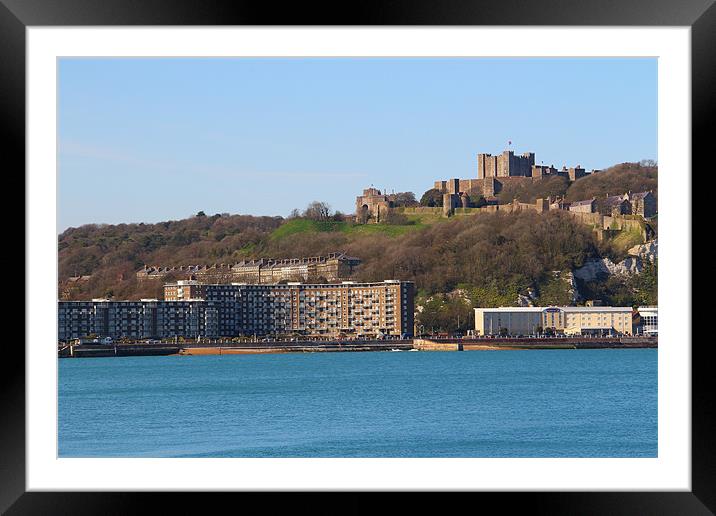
(494,172)
(508,168)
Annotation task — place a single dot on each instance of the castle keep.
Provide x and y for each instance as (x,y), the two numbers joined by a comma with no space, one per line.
(509,165)
(505,165)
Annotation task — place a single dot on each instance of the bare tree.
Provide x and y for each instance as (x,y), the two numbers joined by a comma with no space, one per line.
(317,211)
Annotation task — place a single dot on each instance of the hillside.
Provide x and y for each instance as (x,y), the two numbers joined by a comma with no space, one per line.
(625,177)
(530,191)
(492,256)
(111,254)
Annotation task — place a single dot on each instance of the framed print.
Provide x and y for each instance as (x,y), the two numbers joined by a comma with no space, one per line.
(227,205)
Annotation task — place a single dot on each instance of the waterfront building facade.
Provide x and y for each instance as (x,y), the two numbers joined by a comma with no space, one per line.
(317,310)
(568,320)
(648,320)
(145,319)
(518,320)
(332,310)
(601,320)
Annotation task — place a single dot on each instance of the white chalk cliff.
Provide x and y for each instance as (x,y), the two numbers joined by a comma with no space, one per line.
(638,256)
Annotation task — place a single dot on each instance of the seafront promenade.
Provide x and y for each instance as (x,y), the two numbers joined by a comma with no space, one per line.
(310,346)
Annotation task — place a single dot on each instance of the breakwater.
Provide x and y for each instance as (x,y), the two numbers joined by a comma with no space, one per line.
(311,346)
(307,346)
(119,350)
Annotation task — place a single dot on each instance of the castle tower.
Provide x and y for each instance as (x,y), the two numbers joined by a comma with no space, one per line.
(486,166)
(505,165)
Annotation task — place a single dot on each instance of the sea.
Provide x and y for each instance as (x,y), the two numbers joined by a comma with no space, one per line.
(530,403)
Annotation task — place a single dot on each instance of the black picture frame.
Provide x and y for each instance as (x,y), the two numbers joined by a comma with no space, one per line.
(700,15)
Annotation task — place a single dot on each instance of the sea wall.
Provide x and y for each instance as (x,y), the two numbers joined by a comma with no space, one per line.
(421,344)
(432,345)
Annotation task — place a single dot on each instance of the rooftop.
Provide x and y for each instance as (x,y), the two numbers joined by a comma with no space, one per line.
(563,308)
(640,195)
(614,199)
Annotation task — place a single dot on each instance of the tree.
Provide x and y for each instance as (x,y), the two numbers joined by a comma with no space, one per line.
(446,313)
(201,214)
(317,211)
(644,286)
(530,191)
(406,199)
(432,198)
(495,255)
(616,180)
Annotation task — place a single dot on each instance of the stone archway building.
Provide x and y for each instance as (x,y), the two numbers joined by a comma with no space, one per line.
(373,206)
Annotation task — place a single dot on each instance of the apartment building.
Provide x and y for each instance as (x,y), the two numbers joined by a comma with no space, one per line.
(227,310)
(333,309)
(148,318)
(184,290)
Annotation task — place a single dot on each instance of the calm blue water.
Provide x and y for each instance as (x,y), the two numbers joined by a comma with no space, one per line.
(557,403)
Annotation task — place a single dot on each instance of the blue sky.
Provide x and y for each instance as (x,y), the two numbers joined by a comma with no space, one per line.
(147,140)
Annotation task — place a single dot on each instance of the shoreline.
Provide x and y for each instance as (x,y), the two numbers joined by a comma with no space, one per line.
(502,344)
(225,351)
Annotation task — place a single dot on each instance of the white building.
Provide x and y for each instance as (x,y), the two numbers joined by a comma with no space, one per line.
(649,320)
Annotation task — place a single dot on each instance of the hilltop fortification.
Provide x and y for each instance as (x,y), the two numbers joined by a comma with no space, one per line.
(493,172)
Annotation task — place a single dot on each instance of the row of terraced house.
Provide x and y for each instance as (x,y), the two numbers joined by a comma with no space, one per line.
(332,267)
